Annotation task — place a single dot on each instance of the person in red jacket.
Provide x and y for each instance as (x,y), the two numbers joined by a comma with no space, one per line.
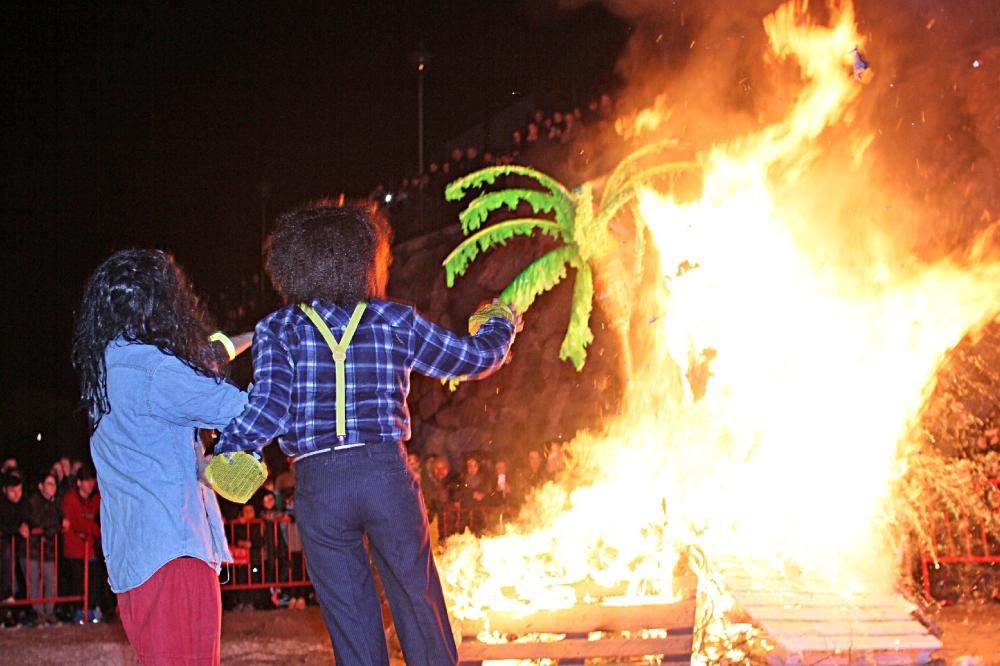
(81,507)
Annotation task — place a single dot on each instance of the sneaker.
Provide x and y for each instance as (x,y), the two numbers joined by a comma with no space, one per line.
(79,618)
(94,616)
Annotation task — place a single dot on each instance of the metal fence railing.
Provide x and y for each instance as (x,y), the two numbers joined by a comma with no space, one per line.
(959,540)
(268,555)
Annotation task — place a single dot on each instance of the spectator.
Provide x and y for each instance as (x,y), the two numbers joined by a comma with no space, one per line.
(555,462)
(275,552)
(14,532)
(60,475)
(529,477)
(500,491)
(532,135)
(413,463)
(248,535)
(535,475)
(515,141)
(440,497)
(46,520)
(284,483)
(472,497)
(471,159)
(81,508)
(427,471)
(458,162)
(297,568)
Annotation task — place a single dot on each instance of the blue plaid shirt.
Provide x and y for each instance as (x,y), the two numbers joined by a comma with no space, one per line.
(294,391)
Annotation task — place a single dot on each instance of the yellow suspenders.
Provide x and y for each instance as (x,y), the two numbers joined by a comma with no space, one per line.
(339,351)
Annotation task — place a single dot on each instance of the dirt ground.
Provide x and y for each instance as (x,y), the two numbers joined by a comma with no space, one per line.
(971,638)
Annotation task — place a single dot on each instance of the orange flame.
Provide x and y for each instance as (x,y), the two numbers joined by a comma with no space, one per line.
(644,121)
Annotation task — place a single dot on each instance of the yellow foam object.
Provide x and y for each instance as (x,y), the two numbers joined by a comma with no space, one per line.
(487,312)
(236,476)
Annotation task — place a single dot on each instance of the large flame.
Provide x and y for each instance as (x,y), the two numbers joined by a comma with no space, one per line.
(771,416)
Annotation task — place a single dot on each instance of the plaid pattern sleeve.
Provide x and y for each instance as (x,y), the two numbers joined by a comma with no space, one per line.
(267,414)
(440,353)
(294,391)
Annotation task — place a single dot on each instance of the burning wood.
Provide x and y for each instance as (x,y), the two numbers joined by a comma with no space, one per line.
(584,631)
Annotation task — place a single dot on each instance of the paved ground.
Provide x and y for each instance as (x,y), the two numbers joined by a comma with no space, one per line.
(972,632)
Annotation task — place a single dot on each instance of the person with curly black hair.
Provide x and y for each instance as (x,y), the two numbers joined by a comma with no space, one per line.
(331,376)
(149,377)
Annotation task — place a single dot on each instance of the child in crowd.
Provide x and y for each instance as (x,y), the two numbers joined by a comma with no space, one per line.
(331,377)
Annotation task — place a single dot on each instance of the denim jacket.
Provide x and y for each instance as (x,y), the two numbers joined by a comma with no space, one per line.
(154,509)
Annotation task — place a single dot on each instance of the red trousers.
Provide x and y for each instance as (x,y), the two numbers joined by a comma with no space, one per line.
(175,617)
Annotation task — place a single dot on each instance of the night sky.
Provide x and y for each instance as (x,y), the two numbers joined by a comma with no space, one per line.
(154,126)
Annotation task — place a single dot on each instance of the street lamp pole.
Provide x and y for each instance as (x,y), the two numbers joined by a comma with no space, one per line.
(421,59)
(420,119)
(265,194)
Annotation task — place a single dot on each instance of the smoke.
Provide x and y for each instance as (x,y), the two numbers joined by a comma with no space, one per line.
(933,103)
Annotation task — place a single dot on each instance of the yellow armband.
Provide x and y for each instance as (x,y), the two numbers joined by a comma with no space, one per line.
(222,338)
(486,312)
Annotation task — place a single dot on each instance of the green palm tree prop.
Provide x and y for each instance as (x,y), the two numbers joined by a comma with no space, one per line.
(571,215)
(582,233)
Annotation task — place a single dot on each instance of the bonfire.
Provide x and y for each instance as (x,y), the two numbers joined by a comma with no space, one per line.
(782,345)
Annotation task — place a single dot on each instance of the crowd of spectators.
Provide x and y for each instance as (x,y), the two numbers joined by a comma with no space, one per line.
(561,143)
(484,492)
(269,569)
(572,145)
(49,537)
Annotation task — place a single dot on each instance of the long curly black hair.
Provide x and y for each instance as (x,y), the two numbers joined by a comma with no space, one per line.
(337,253)
(141,296)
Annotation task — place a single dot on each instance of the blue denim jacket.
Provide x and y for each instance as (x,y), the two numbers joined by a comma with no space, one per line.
(153,507)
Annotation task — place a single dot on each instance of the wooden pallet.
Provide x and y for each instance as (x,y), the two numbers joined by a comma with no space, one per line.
(575,625)
(810,622)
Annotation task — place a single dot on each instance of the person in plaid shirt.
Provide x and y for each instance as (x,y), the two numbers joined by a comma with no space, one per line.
(331,377)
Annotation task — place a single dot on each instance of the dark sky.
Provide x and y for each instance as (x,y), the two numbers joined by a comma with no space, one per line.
(154,125)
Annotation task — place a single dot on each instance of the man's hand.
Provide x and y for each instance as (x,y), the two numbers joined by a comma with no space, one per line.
(24,530)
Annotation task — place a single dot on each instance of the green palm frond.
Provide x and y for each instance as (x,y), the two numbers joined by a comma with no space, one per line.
(647,175)
(590,237)
(543,274)
(480,208)
(638,252)
(631,165)
(456,189)
(458,260)
(609,211)
(578,334)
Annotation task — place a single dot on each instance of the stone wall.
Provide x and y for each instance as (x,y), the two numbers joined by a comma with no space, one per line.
(535,399)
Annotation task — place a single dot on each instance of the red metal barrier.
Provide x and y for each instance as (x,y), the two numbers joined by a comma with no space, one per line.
(959,544)
(266,554)
(23,558)
(480,520)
